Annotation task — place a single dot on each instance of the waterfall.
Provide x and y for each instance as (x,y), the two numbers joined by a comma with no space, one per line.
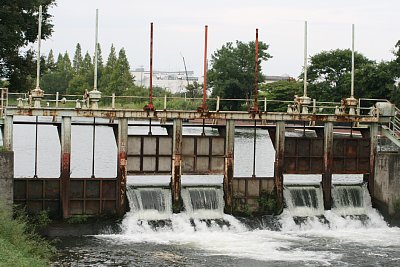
(304,200)
(350,199)
(352,209)
(203,202)
(150,203)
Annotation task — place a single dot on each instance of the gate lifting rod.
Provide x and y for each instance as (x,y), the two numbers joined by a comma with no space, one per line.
(36,148)
(203,107)
(93,145)
(149,106)
(254,108)
(254,149)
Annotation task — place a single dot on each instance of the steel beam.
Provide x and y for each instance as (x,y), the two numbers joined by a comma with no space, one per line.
(279,163)
(65,165)
(121,165)
(176,166)
(175,114)
(229,164)
(328,163)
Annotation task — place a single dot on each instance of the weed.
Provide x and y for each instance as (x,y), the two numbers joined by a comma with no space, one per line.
(78,219)
(396,207)
(267,202)
(20,245)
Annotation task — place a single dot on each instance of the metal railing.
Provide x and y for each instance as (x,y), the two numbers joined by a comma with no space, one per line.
(394,124)
(365,107)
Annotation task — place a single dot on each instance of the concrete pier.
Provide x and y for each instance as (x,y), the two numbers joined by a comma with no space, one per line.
(176,165)
(121,165)
(327,168)
(279,163)
(387,183)
(6,178)
(65,164)
(229,164)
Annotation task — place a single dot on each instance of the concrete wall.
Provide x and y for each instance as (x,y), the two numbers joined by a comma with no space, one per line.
(387,181)
(6,177)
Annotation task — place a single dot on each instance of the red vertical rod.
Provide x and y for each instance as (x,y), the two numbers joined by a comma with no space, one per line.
(255,93)
(204,106)
(151,64)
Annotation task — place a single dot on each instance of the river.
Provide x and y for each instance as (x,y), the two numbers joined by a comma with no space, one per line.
(329,239)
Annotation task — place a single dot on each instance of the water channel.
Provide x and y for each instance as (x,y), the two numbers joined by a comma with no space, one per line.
(324,238)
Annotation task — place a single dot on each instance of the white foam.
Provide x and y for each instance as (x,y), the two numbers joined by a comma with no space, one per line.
(234,240)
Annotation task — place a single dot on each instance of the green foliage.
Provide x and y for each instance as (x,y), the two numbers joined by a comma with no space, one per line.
(18,30)
(328,74)
(267,202)
(232,73)
(282,91)
(57,80)
(240,207)
(194,90)
(396,207)
(78,219)
(19,244)
(120,77)
(76,77)
(40,220)
(77,61)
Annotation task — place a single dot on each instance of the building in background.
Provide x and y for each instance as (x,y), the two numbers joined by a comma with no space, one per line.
(173,81)
(176,81)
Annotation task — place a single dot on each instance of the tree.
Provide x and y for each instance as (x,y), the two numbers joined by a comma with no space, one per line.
(83,78)
(23,75)
(395,70)
(100,66)
(194,90)
(108,69)
(18,29)
(121,78)
(327,72)
(282,91)
(58,79)
(50,64)
(232,71)
(77,61)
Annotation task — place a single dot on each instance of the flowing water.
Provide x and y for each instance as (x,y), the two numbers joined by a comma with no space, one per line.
(203,202)
(351,234)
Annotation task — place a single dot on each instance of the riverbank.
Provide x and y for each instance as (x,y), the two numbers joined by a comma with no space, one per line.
(20,245)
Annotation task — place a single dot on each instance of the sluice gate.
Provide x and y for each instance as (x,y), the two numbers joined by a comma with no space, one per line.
(328,148)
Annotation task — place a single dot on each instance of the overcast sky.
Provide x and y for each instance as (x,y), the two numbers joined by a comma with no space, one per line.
(179,29)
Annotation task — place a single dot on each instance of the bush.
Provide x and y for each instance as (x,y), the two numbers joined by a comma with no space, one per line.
(20,245)
(267,202)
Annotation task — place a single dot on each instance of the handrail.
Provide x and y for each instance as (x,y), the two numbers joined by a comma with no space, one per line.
(191,103)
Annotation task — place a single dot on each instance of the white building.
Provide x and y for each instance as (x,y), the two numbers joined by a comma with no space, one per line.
(173,81)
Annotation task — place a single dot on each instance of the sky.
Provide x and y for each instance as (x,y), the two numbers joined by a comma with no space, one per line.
(179,29)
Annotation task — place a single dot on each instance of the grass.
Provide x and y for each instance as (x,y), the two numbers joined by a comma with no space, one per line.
(19,243)
(396,207)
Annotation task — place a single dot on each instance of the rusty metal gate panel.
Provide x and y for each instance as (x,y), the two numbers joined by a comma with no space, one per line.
(203,154)
(304,155)
(38,195)
(93,196)
(149,154)
(351,155)
(247,190)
